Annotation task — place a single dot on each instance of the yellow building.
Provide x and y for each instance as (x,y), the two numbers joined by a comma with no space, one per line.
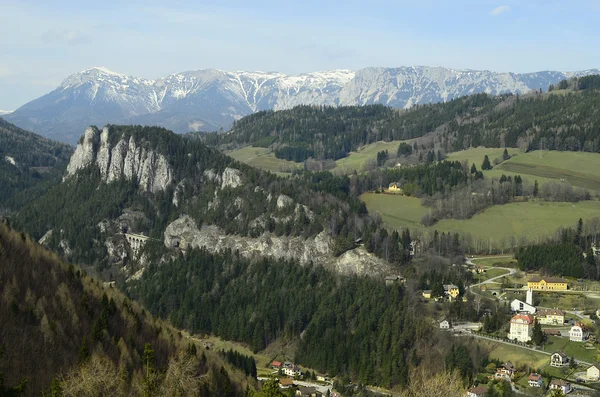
(550,317)
(547,284)
(427,294)
(451,290)
(395,187)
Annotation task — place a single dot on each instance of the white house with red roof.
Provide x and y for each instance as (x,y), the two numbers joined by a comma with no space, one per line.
(521,327)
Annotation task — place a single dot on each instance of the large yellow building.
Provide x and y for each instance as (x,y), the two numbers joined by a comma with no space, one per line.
(547,284)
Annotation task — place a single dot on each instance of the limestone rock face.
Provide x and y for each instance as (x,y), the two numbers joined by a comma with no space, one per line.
(231,178)
(184,233)
(283,201)
(85,154)
(125,159)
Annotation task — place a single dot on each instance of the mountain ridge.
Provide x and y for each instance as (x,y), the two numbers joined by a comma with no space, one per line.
(210,99)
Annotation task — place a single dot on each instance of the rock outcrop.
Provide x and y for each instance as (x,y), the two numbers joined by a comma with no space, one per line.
(184,233)
(125,159)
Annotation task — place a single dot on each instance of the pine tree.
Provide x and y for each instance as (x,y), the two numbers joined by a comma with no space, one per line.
(473,168)
(536,189)
(505,155)
(538,335)
(486,165)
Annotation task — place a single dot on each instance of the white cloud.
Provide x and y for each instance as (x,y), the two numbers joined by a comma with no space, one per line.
(500,10)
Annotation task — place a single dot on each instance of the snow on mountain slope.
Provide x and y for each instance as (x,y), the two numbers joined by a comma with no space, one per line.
(210,99)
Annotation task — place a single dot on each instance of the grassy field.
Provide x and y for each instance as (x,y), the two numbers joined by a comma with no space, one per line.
(572,349)
(476,155)
(264,159)
(516,355)
(397,211)
(357,160)
(501,261)
(577,168)
(532,220)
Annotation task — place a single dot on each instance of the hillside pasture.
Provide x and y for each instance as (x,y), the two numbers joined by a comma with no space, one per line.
(264,159)
(499,224)
(356,161)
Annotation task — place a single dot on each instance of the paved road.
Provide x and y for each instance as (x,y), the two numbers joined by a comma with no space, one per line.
(510,270)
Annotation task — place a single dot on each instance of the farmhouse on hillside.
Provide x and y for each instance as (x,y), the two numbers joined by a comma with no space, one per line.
(578,333)
(395,187)
(593,372)
(535,380)
(451,290)
(547,284)
(559,359)
(478,391)
(559,384)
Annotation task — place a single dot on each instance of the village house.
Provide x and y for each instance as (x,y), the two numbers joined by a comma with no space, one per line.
(535,380)
(560,384)
(578,333)
(286,383)
(427,294)
(550,317)
(521,327)
(478,391)
(593,372)
(292,371)
(559,359)
(547,284)
(479,269)
(322,378)
(552,332)
(445,324)
(517,306)
(395,187)
(506,371)
(451,290)
(276,364)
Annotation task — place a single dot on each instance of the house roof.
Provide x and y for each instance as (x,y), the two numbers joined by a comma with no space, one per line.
(550,312)
(535,377)
(449,287)
(427,291)
(307,390)
(597,366)
(547,279)
(528,318)
(276,364)
(559,382)
(479,390)
(286,381)
(560,353)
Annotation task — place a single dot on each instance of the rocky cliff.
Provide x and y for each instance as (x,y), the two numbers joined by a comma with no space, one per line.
(184,233)
(125,159)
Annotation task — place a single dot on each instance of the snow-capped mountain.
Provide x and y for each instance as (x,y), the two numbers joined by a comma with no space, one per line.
(212,99)
(4,112)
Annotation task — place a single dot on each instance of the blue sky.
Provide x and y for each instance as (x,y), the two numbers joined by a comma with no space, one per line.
(42,42)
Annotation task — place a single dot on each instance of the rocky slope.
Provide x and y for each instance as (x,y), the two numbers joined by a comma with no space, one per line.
(126,159)
(211,99)
(184,233)
(154,185)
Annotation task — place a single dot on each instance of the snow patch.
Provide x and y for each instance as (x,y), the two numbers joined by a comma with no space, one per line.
(10,160)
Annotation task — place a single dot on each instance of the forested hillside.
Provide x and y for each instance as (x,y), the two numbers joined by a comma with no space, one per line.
(325,132)
(351,326)
(29,166)
(65,334)
(182,178)
(563,119)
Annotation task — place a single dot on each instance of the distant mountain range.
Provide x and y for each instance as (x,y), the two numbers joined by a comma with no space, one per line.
(207,100)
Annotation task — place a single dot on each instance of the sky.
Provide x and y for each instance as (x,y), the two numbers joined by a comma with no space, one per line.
(44,41)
